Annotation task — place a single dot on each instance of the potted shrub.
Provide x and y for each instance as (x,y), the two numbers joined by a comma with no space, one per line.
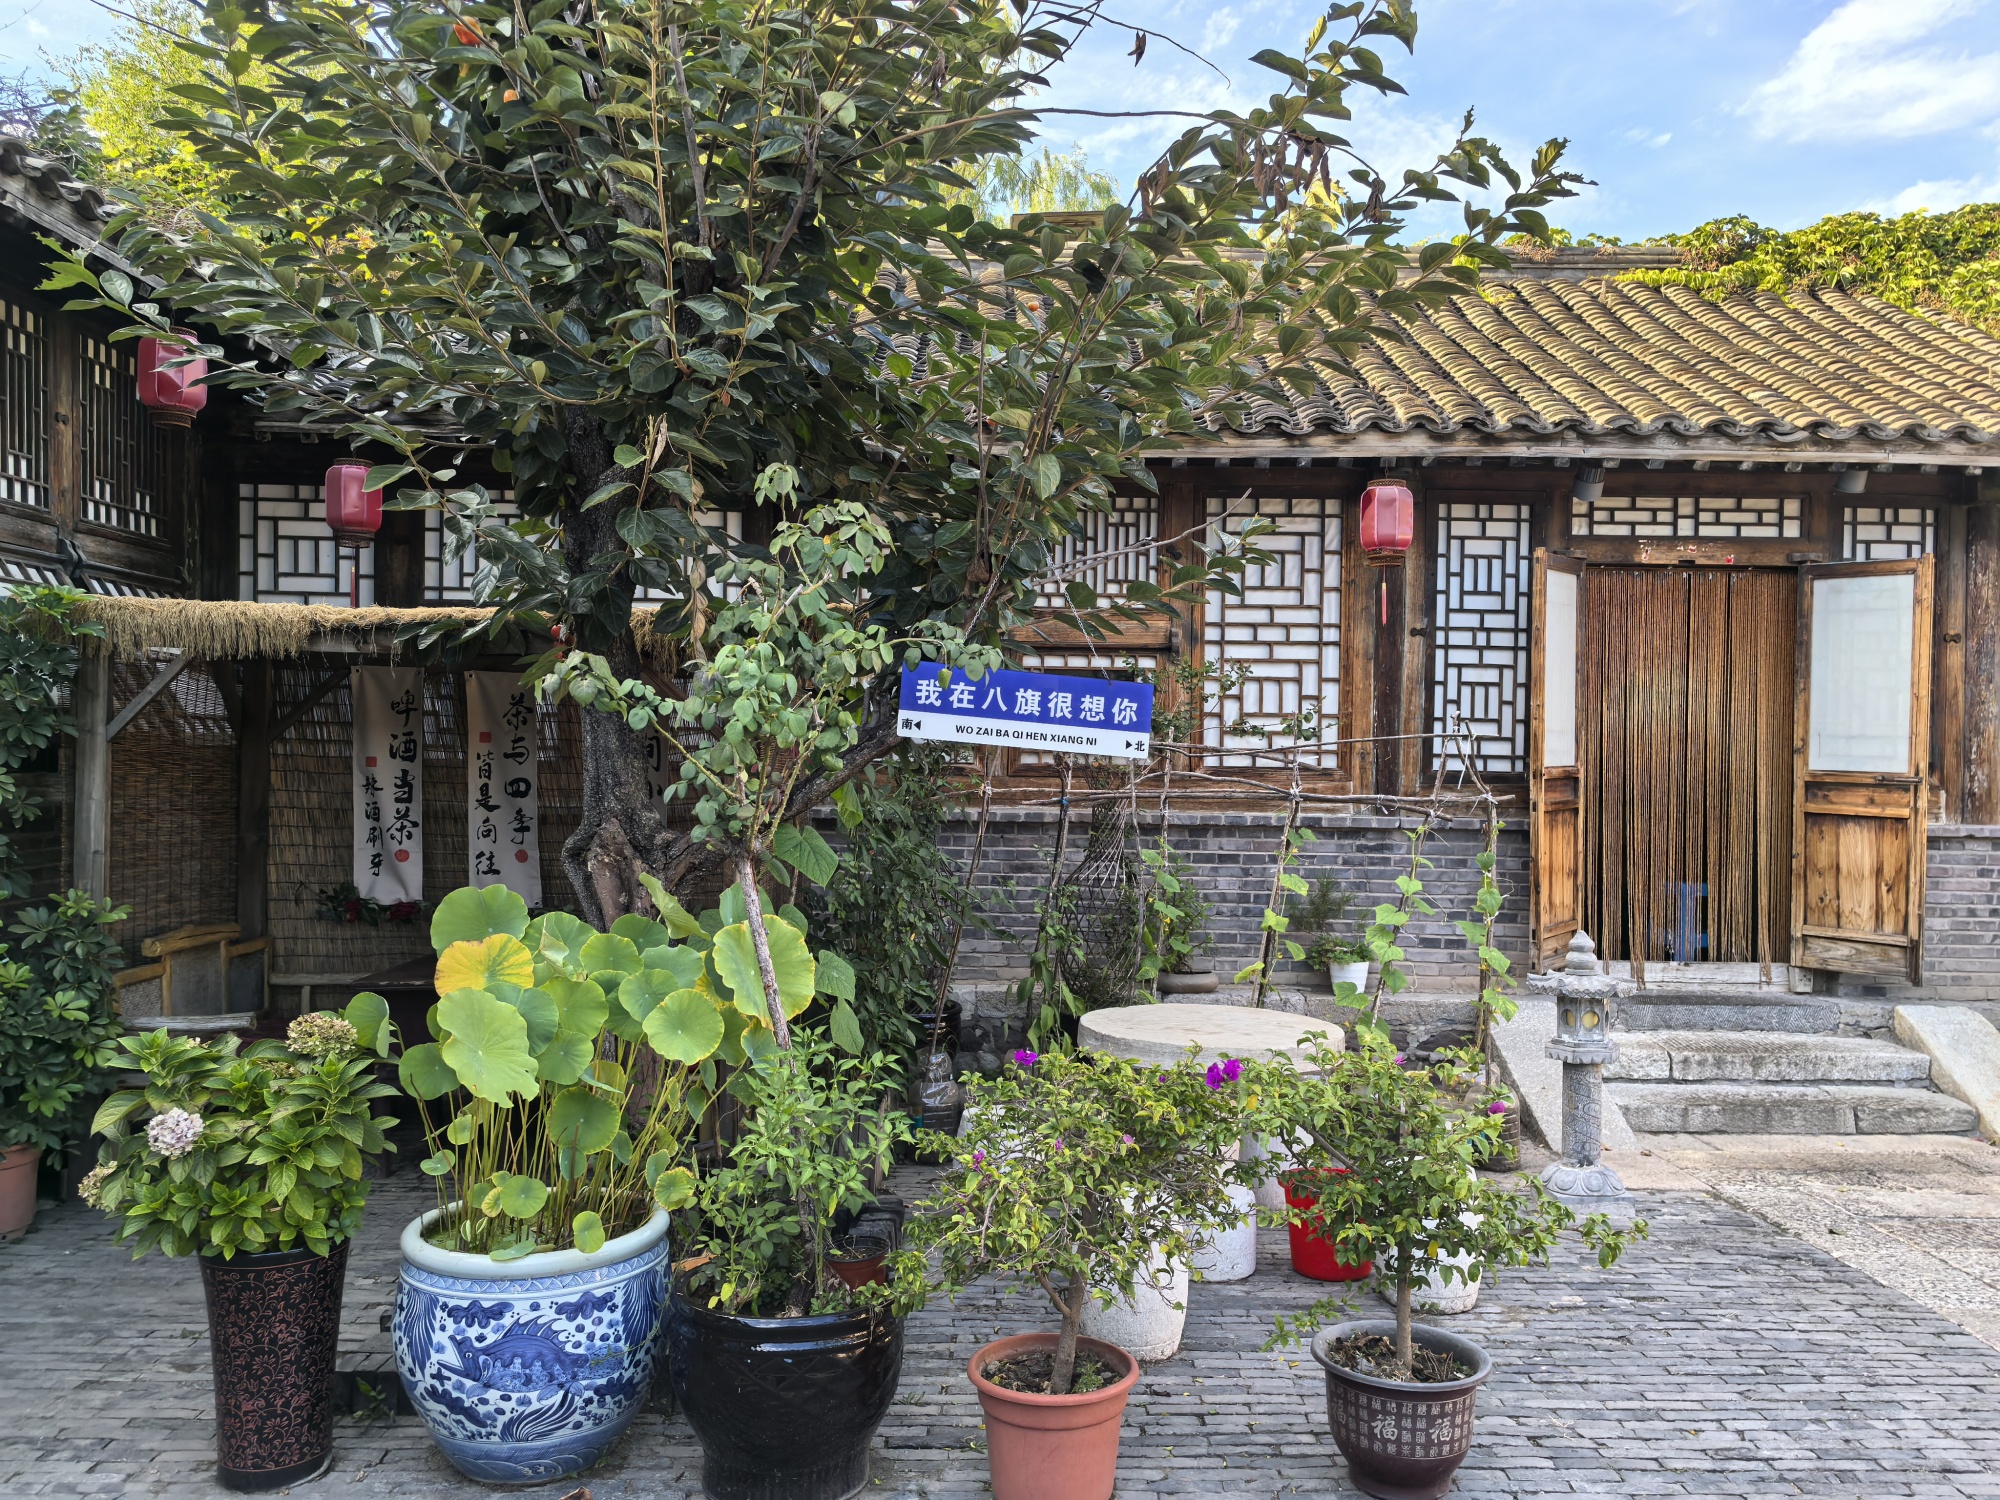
(1079,1174)
(1176,925)
(58,1035)
(1400,1395)
(1344,959)
(573,1064)
(252,1160)
(786,1340)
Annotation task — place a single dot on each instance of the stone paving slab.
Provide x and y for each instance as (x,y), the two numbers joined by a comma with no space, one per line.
(1724,1357)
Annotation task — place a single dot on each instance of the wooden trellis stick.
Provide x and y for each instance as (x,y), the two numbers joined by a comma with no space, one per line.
(1267,953)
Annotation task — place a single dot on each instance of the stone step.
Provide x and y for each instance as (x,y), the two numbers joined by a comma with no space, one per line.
(1789,1109)
(1762,1056)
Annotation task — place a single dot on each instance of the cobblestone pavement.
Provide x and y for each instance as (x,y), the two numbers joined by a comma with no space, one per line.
(1920,1214)
(1723,1357)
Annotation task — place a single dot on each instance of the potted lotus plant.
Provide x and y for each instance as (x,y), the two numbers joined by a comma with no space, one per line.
(1392,1150)
(1080,1175)
(568,1069)
(252,1160)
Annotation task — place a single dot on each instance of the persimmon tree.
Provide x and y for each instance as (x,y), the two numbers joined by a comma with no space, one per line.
(658,255)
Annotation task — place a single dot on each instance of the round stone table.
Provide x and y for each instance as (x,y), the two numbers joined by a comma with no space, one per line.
(1163,1033)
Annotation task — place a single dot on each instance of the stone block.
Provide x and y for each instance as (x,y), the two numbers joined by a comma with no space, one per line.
(1964,1050)
(1879,1111)
(1768,1057)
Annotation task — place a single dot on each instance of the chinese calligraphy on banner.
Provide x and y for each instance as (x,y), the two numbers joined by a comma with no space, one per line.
(503,835)
(1029,710)
(389,783)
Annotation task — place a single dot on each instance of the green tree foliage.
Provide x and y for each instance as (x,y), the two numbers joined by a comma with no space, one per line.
(1925,262)
(653,253)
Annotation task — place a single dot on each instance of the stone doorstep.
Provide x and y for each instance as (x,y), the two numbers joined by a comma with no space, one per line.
(1763,1056)
(1764,1108)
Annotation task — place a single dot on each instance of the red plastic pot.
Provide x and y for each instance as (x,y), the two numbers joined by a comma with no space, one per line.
(1052,1447)
(1312,1254)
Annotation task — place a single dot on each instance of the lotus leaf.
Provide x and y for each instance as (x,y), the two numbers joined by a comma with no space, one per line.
(581,1006)
(471,916)
(538,1008)
(583,1120)
(487,1045)
(368,1014)
(685,1027)
(608,953)
(683,962)
(679,921)
(674,1188)
(587,1229)
(558,937)
(498,959)
(565,1059)
(642,932)
(642,991)
(424,1073)
(520,1197)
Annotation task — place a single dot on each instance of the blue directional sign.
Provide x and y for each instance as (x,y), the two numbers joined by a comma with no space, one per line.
(1028,711)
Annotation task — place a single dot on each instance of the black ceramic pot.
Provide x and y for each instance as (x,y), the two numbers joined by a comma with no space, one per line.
(1403,1440)
(786,1408)
(273,1333)
(929,1024)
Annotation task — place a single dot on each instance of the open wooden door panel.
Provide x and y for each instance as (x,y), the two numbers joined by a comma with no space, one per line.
(1555,772)
(1862,742)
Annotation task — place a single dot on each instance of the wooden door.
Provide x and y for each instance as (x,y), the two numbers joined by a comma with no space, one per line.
(1861,744)
(1555,772)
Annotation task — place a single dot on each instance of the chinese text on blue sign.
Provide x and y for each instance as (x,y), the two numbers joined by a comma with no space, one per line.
(1028,711)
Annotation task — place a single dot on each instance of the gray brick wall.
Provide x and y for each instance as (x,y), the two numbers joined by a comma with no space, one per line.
(1961,920)
(1234,855)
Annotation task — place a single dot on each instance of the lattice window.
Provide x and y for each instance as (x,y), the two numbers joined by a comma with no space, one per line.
(1479,680)
(122,451)
(15,570)
(1132,522)
(24,405)
(286,554)
(1720,518)
(1285,629)
(448,580)
(1123,665)
(1878,533)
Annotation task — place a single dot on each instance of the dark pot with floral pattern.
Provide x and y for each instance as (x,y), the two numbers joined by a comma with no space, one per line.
(1402,1439)
(273,1333)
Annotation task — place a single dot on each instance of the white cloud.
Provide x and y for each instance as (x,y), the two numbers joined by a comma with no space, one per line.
(1872,70)
(1641,137)
(1220,30)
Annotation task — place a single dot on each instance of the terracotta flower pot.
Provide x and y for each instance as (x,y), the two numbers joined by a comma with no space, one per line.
(1403,1440)
(1052,1447)
(274,1332)
(18,1167)
(1312,1254)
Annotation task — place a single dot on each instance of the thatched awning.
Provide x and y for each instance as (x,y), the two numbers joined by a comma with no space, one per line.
(231,630)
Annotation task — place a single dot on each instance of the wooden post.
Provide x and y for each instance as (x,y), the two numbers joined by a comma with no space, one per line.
(253,802)
(91,704)
(1982,660)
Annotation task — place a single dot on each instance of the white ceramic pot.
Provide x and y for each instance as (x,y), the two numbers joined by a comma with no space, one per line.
(1232,1254)
(1432,1292)
(1148,1327)
(1277,1157)
(1354,974)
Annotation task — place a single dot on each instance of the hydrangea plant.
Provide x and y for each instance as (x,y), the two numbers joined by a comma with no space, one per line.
(252,1149)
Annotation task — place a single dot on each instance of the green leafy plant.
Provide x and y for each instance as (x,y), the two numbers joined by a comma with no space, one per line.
(38,660)
(1176,913)
(1315,916)
(58,1024)
(812,1133)
(1076,1170)
(255,1150)
(1388,1152)
(580,1061)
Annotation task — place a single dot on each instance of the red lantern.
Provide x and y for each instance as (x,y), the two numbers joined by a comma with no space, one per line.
(353,511)
(171,391)
(1388,522)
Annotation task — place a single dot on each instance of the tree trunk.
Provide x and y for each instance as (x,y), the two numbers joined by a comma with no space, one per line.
(1406,1353)
(1063,1373)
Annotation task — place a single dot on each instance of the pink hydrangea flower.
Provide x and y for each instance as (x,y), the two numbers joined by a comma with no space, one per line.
(173,1133)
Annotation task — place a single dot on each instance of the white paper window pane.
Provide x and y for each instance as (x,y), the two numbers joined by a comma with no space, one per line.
(1861,649)
(1559,642)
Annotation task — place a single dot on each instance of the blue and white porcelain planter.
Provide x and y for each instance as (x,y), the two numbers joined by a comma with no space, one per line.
(530,1370)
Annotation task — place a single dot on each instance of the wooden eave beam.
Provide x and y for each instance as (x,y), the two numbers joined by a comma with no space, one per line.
(146,694)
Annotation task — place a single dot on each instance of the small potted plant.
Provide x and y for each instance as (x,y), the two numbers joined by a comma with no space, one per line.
(1176,925)
(1079,1174)
(574,1064)
(1345,959)
(786,1338)
(252,1161)
(1400,1395)
(58,1035)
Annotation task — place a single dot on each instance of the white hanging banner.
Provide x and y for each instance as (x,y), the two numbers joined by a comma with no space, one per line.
(503,777)
(389,783)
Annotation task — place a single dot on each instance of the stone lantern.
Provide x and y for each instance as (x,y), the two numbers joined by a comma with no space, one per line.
(1586,1004)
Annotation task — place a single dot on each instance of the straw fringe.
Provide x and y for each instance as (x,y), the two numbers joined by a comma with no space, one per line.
(230,630)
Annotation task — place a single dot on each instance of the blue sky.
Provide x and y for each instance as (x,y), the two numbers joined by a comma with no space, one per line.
(1680,110)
